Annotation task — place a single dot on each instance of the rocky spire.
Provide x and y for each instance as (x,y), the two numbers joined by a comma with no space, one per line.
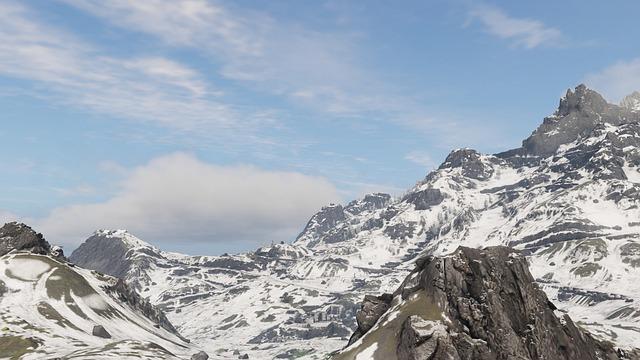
(581,99)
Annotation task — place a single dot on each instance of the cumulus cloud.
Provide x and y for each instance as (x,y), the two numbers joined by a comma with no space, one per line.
(617,80)
(180,198)
(528,33)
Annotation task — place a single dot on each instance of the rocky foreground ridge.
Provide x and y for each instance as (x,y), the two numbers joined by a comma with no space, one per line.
(472,304)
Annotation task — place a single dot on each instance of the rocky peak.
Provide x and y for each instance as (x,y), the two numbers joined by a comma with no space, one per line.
(324,220)
(18,236)
(580,100)
(579,112)
(473,304)
(470,161)
(369,202)
(631,101)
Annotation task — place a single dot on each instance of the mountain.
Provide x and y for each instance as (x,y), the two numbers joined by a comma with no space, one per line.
(50,308)
(567,199)
(471,304)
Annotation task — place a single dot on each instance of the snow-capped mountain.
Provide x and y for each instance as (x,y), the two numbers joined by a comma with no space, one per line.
(50,309)
(568,198)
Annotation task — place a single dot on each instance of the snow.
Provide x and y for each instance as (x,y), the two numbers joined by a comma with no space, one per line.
(367,353)
(28,269)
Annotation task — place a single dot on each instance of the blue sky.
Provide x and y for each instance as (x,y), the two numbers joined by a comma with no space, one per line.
(212,126)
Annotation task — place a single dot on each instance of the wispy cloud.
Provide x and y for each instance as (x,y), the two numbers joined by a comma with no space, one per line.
(319,69)
(152,89)
(617,80)
(421,158)
(523,32)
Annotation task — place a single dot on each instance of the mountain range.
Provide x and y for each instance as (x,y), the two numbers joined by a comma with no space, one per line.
(566,202)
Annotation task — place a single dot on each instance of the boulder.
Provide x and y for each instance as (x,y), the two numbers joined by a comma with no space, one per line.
(200,356)
(100,331)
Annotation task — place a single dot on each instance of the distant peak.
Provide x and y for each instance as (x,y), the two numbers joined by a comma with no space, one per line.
(123,235)
(580,99)
(631,101)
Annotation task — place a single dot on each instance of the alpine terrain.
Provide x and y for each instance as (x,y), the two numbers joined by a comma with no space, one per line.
(559,277)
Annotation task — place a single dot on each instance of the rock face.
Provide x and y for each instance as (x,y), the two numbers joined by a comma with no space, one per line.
(372,308)
(477,304)
(17,236)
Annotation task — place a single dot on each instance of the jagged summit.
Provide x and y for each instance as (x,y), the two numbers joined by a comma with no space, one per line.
(582,99)
(580,111)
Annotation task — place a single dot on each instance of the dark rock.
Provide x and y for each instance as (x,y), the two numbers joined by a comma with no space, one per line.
(424,199)
(18,236)
(370,311)
(245,356)
(200,356)
(100,331)
(400,230)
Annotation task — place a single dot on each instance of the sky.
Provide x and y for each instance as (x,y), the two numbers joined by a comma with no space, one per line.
(220,126)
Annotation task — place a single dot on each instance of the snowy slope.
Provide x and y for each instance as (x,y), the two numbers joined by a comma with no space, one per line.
(568,198)
(48,309)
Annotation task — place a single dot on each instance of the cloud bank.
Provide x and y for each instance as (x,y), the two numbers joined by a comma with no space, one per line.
(180,198)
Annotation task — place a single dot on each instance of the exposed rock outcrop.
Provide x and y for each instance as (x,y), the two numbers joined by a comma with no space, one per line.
(372,308)
(474,304)
(18,236)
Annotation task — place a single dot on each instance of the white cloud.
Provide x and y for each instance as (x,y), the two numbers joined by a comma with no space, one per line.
(151,89)
(617,80)
(421,158)
(179,198)
(528,33)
